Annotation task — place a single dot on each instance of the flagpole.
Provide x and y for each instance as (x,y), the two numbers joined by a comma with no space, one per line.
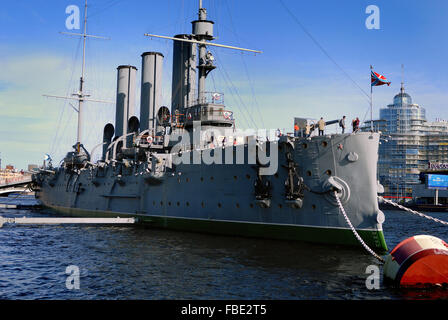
(371,109)
(371,101)
(376,79)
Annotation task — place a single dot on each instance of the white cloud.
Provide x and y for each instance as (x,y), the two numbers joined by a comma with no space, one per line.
(36,123)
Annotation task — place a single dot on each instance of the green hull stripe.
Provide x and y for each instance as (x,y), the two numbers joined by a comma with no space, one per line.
(373,238)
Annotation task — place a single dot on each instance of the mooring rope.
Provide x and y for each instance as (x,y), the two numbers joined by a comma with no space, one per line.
(413,211)
(387,201)
(354,231)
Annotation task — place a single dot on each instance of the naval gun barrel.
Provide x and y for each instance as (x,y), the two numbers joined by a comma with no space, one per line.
(315,125)
(331,122)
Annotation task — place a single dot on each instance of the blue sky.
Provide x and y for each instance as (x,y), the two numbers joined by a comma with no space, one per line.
(292,77)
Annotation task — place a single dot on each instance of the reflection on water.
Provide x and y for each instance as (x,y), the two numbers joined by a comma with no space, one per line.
(136,263)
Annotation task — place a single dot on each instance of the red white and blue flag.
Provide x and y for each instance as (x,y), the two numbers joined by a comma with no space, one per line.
(377,79)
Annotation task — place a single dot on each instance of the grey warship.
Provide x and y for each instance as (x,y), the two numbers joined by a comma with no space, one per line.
(188,168)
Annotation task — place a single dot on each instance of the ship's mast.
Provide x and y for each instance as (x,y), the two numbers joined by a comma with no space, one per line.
(203,32)
(80,96)
(81,80)
(202,55)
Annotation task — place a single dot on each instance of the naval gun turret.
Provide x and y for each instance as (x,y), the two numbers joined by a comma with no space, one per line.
(78,158)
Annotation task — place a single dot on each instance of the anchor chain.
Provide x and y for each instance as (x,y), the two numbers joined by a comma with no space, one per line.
(354,231)
(413,211)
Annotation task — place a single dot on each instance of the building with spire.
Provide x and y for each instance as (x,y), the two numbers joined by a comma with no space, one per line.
(409,144)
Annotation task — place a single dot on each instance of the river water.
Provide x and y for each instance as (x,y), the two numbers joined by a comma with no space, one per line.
(126,262)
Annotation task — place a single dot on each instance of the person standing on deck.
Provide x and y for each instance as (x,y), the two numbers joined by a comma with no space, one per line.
(307,130)
(321,124)
(296,130)
(355,124)
(342,124)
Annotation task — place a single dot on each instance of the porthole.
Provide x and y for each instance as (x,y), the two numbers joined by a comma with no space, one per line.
(211,178)
(219,205)
(178,203)
(251,205)
(235,177)
(202,204)
(328,172)
(304,145)
(280,205)
(238,205)
(313,206)
(247,176)
(161,203)
(324,144)
(188,203)
(308,173)
(202,178)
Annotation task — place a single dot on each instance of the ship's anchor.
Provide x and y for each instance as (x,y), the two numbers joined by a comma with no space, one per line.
(294,185)
(262,187)
(263,192)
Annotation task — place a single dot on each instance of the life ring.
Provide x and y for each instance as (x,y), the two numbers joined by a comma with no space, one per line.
(149,139)
(189,116)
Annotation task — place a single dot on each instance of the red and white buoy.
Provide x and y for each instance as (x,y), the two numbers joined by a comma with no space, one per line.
(418,261)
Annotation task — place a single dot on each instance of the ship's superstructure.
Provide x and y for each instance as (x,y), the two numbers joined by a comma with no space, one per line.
(188,168)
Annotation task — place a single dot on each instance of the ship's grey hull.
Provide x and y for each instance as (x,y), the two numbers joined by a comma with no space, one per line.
(220,198)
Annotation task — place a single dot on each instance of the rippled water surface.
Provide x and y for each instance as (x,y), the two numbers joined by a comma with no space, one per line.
(119,262)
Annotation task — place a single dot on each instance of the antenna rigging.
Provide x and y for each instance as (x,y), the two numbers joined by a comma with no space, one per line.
(323,50)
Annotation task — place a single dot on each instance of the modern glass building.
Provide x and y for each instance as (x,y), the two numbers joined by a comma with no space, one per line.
(408,143)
